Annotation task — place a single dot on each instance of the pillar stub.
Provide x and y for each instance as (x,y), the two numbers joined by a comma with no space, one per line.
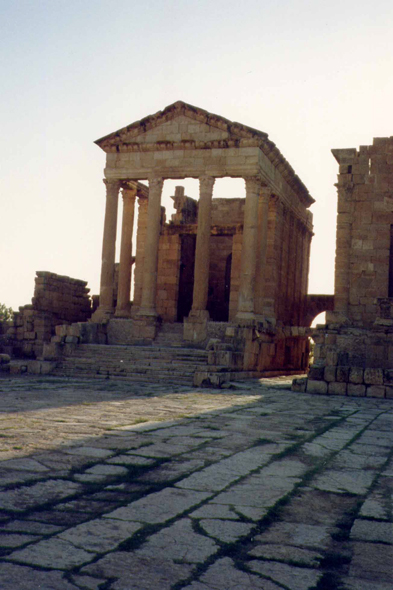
(195,326)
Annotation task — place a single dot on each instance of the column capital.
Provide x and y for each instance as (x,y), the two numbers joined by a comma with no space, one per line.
(156,182)
(112,186)
(265,193)
(206,183)
(253,183)
(128,193)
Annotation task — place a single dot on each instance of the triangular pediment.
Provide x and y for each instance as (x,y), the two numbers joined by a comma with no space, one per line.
(177,123)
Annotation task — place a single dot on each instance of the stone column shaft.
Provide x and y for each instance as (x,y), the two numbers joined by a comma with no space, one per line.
(202,252)
(109,245)
(263,212)
(249,250)
(124,289)
(148,303)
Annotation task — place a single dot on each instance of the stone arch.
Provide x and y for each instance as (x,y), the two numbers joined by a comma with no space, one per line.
(316,304)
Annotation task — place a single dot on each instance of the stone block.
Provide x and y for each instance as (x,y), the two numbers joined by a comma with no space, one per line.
(356,375)
(330,374)
(342,374)
(375,391)
(388,377)
(51,351)
(29,336)
(224,358)
(389,392)
(4,359)
(71,339)
(356,390)
(336,388)
(299,385)
(61,330)
(331,357)
(373,376)
(316,373)
(320,387)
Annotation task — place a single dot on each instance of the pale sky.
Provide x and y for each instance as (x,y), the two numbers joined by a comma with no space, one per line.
(313,75)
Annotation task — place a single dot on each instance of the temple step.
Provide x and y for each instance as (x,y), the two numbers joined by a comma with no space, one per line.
(138,363)
(170,335)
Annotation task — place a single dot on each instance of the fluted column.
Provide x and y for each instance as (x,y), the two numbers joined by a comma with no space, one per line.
(263,213)
(124,288)
(108,248)
(149,285)
(249,250)
(202,252)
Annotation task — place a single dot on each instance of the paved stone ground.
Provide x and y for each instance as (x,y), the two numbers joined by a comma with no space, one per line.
(115,486)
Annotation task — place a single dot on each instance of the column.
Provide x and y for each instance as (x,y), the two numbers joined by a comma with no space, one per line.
(124,289)
(249,250)
(140,252)
(108,249)
(263,213)
(149,285)
(202,252)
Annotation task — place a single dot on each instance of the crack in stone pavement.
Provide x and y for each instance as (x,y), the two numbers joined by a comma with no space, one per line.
(121,486)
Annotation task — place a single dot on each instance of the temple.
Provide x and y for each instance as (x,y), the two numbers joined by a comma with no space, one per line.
(219,290)
(242,263)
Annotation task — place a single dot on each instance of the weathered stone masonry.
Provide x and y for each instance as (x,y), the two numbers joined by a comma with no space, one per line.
(354,351)
(57,300)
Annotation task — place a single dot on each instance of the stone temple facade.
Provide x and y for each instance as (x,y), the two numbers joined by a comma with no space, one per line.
(232,269)
(354,350)
(218,292)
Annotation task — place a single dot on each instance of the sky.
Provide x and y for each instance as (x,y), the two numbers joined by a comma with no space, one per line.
(313,75)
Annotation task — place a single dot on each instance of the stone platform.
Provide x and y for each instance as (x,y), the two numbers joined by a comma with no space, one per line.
(115,486)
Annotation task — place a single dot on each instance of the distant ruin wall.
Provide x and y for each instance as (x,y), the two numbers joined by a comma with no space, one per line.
(57,300)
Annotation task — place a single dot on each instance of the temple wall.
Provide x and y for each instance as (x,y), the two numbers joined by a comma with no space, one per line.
(227,211)
(168,276)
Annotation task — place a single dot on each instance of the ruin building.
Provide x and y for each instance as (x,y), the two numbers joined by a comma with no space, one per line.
(240,262)
(226,276)
(354,350)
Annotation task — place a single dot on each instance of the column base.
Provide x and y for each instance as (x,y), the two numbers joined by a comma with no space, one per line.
(145,326)
(195,326)
(102,315)
(124,312)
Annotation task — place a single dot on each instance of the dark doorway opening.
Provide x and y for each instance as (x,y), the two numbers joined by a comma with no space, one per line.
(220,278)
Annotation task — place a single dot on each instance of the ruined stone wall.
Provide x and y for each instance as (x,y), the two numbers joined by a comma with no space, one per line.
(354,351)
(57,300)
(364,220)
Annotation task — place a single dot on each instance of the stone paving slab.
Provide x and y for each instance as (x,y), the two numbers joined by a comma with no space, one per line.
(119,486)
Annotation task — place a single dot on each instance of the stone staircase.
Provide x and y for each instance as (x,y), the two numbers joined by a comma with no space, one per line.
(170,336)
(174,364)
